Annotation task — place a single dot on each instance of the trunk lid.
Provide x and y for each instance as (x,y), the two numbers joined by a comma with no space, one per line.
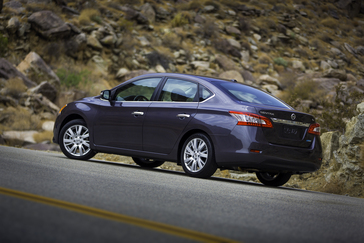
(290,128)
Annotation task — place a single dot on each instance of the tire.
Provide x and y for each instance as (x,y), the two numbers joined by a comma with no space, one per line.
(147,163)
(197,156)
(272,179)
(74,140)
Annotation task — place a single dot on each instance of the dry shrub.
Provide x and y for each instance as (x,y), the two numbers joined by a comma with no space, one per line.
(52,51)
(43,136)
(172,41)
(208,29)
(265,59)
(181,19)
(19,118)
(15,87)
(131,2)
(88,15)
(330,23)
(335,186)
(160,56)
(244,24)
(325,38)
(317,44)
(261,68)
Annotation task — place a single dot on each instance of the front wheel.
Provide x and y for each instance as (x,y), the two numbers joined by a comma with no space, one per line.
(147,163)
(75,140)
(273,179)
(197,156)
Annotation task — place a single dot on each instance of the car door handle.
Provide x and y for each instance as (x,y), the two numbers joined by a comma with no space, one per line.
(138,113)
(183,115)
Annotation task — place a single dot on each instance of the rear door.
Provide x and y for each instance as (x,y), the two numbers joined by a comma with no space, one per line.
(167,117)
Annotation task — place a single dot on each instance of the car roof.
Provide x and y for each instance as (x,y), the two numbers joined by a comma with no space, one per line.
(183,75)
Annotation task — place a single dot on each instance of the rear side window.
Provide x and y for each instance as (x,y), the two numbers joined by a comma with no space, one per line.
(204,93)
(252,95)
(176,90)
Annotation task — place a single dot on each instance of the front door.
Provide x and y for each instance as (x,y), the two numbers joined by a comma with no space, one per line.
(119,123)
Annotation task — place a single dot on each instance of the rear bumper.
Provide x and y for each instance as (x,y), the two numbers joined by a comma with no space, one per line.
(264,156)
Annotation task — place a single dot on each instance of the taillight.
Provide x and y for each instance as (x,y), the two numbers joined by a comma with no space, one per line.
(251,119)
(315,129)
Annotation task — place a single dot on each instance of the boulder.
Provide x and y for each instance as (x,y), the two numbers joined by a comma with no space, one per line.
(22,137)
(48,126)
(200,64)
(148,11)
(350,49)
(266,79)
(233,31)
(330,143)
(325,65)
(232,74)
(15,7)
(335,73)
(226,63)
(49,25)
(360,50)
(234,43)
(94,43)
(7,71)
(13,25)
(33,62)
(46,89)
(122,72)
(327,84)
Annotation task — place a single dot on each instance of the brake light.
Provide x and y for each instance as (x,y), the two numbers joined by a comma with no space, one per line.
(251,119)
(315,129)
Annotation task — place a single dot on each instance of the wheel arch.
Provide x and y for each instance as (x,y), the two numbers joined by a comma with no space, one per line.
(187,135)
(69,118)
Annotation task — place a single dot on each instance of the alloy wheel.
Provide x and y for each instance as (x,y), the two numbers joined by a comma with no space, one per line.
(76,140)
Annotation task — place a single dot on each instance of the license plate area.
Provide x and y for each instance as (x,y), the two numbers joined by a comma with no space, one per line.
(292,132)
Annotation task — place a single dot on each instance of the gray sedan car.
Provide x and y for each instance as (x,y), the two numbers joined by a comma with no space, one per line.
(201,123)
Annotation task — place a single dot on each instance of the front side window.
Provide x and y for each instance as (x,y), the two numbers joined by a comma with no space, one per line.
(175,90)
(140,90)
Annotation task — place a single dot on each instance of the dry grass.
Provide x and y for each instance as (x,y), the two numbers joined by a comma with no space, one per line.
(330,23)
(19,119)
(15,87)
(265,59)
(181,19)
(43,136)
(88,15)
(335,186)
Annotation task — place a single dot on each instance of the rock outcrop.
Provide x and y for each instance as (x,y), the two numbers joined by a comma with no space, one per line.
(49,25)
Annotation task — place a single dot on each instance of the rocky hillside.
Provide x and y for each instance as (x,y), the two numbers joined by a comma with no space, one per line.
(308,53)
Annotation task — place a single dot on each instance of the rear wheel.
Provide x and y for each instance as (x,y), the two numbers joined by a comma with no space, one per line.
(148,163)
(273,179)
(74,140)
(197,156)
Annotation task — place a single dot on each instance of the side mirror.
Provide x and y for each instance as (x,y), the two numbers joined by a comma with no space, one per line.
(105,94)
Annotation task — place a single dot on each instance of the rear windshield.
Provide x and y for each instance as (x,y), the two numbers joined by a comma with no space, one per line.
(249,94)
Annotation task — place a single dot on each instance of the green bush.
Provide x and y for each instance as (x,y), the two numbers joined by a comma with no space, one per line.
(73,79)
(3,45)
(280,61)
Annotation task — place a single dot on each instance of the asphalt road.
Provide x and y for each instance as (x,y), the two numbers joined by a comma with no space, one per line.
(45,197)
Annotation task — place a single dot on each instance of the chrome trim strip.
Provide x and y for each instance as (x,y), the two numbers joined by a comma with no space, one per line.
(288,122)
